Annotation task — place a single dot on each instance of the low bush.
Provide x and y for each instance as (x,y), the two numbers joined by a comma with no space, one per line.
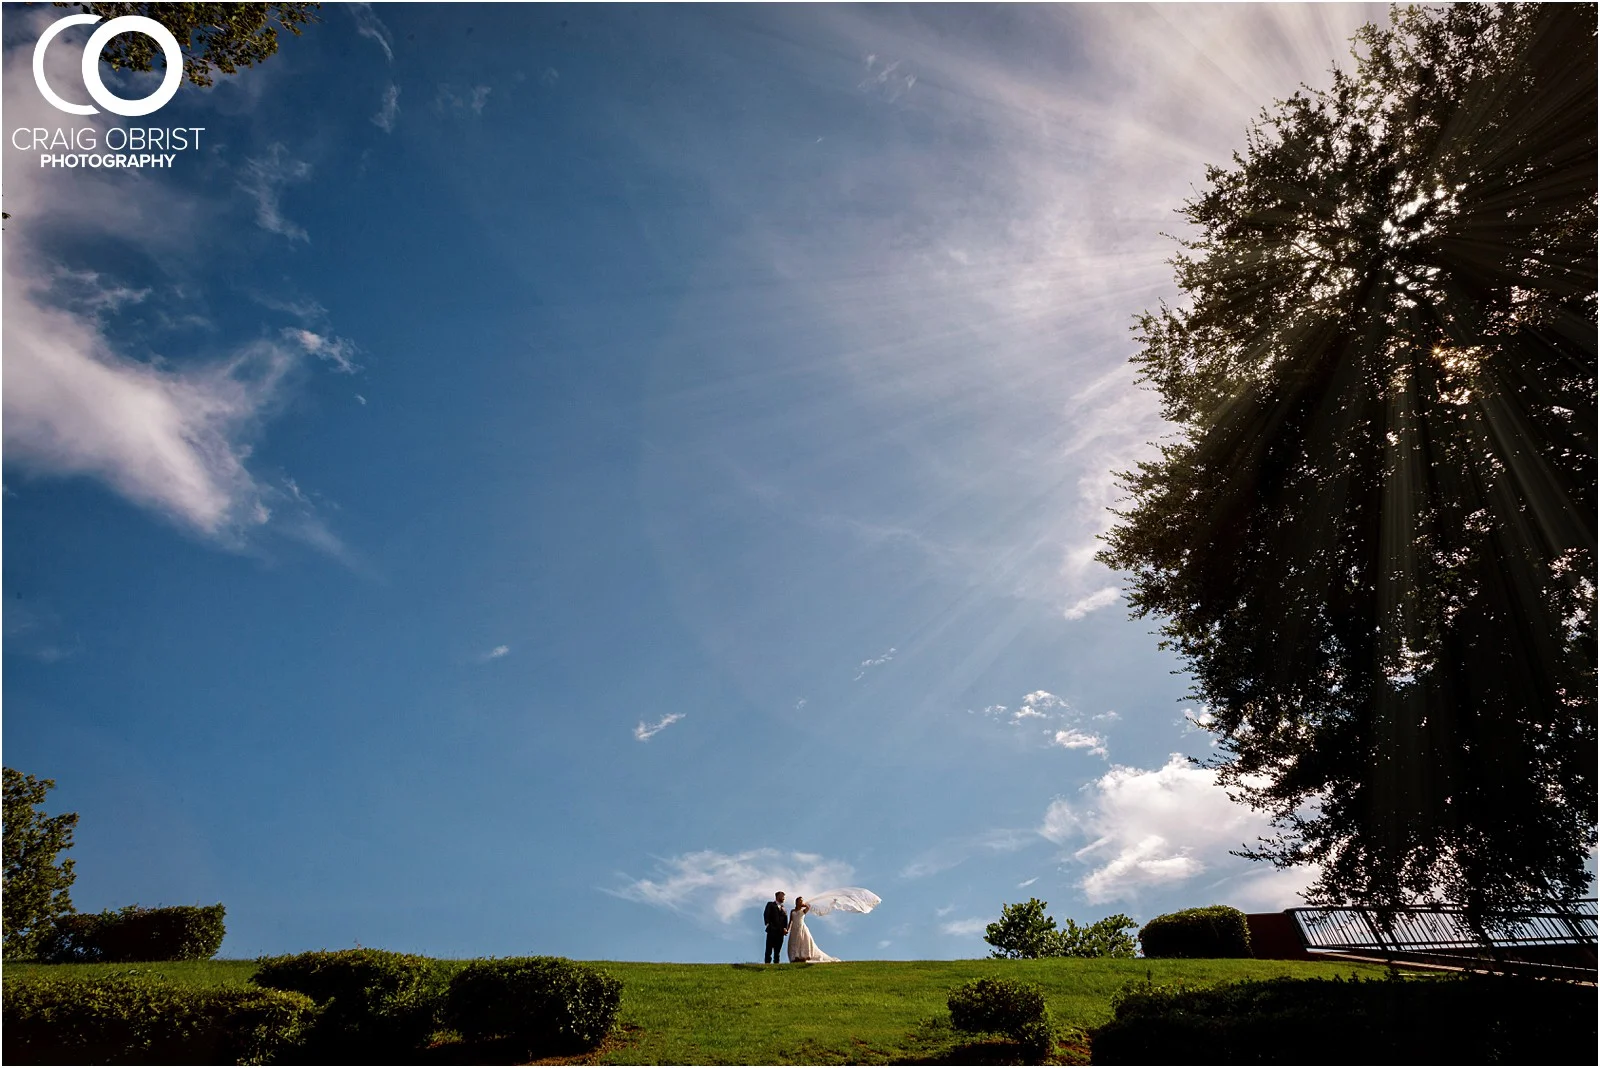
(1035,1041)
(1469,1020)
(371,1000)
(995,1006)
(1214,931)
(543,1004)
(149,1021)
(181,932)
(1003,1007)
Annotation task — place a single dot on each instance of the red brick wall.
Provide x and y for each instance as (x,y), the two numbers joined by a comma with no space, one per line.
(1273,936)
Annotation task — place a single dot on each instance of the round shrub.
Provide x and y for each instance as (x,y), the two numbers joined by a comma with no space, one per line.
(543,1004)
(1214,931)
(133,933)
(149,1021)
(370,998)
(996,1006)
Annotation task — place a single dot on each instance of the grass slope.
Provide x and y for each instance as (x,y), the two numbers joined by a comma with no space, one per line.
(864,1012)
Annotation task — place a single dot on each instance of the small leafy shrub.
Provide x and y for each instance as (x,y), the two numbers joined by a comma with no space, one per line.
(1214,931)
(149,1021)
(371,1000)
(1025,932)
(1468,1020)
(1003,1007)
(543,1004)
(135,934)
(1035,1041)
(1102,938)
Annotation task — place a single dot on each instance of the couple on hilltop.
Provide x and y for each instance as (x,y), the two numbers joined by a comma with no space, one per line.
(802,948)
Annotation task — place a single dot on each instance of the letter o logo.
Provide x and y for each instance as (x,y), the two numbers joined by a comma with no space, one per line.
(91,65)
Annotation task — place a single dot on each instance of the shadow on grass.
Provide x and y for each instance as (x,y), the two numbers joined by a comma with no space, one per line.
(936,1042)
(510,1051)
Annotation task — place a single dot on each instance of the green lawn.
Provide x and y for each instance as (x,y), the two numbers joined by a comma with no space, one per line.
(868,1012)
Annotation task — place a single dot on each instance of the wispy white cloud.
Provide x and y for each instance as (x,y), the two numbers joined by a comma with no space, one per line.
(264,180)
(308,311)
(1072,738)
(1058,721)
(389,112)
(338,351)
(958,851)
(370,26)
(1098,599)
(724,888)
(1024,884)
(496,653)
(451,98)
(1144,830)
(645,733)
(170,439)
(1031,230)
(37,632)
(868,665)
(965,928)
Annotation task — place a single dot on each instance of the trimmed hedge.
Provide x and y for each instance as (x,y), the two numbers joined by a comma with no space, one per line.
(1214,931)
(1468,1020)
(371,1000)
(148,1021)
(1004,1007)
(135,934)
(542,1004)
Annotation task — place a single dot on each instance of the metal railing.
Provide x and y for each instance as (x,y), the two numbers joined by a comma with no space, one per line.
(1355,928)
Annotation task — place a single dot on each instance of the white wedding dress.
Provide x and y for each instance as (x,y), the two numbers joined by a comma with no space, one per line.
(801,946)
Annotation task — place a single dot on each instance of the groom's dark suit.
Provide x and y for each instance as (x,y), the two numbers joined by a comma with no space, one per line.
(777,921)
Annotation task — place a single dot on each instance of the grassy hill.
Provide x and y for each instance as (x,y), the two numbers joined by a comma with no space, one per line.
(860,1012)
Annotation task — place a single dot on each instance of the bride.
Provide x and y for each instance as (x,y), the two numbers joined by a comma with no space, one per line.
(801,945)
(802,948)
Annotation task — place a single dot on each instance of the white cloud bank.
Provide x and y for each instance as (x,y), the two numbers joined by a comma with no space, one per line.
(1146,830)
(725,888)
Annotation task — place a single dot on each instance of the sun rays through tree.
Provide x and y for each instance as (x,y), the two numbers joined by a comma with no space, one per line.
(1373,535)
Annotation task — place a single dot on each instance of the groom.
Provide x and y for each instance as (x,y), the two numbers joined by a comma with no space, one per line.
(777,921)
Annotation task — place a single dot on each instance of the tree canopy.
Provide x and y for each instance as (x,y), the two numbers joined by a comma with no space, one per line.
(1024,931)
(36,883)
(214,37)
(1372,535)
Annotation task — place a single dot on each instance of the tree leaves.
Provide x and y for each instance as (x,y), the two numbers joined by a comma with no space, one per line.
(36,885)
(214,37)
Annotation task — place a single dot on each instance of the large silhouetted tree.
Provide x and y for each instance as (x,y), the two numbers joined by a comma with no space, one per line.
(1372,537)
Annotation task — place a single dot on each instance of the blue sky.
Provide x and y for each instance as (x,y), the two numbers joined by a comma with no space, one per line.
(539,479)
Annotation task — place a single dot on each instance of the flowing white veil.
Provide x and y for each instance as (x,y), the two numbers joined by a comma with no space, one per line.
(844,899)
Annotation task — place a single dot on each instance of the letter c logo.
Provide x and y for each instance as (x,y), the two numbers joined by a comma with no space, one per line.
(91,65)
